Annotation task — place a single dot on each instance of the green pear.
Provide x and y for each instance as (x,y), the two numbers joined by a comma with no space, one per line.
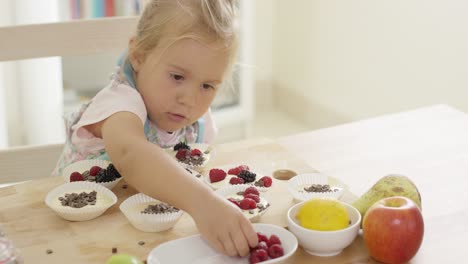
(387,186)
(123,259)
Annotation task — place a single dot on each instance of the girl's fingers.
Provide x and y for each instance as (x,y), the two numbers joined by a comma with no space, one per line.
(240,243)
(249,233)
(228,244)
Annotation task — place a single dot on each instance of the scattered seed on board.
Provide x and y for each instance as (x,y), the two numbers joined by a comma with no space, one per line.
(141,243)
(114,250)
(49,251)
(125,186)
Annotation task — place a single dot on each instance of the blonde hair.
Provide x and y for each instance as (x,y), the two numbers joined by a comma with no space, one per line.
(163,22)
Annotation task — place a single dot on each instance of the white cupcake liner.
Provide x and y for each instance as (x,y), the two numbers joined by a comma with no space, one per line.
(225,182)
(84,165)
(202,147)
(85,213)
(295,183)
(148,222)
(225,192)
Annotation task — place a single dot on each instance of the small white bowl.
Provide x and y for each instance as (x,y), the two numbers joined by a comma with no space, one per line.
(232,190)
(297,184)
(84,165)
(133,206)
(324,243)
(85,213)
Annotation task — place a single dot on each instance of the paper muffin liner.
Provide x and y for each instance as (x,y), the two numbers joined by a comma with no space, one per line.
(85,213)
(225,183)
(148,222)
(225,192)
(203,148)
(295,183)
(84,165)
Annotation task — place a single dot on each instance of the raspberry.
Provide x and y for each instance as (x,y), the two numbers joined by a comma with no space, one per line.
(275,251)
(247,204)
(243,167)
(261,245)
(234,201)
(236,180)
(217,175)
(195,152)
(94,170)
(267,181)
(181,154)
(262,237)
(76,176)
(234,171)
(274,239)
(258,255)
(251,190)
(181,145)
(252,196)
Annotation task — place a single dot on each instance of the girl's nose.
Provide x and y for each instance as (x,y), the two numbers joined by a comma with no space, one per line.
(187,95)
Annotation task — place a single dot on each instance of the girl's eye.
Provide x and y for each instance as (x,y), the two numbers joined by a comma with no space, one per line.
(207,86)
(177,77)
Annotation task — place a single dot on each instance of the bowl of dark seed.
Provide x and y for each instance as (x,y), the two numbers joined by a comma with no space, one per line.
(80,201)
(102,172)
(310,185)
(148,214)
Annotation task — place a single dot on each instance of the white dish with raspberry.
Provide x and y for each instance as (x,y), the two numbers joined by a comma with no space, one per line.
(206,152)
(195,249)
(85,165)
(253,213)
(226,181)
(104,199)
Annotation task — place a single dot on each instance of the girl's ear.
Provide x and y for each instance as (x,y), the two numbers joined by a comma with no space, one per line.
(133,55)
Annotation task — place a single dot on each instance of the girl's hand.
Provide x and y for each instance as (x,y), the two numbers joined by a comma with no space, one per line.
(224,226)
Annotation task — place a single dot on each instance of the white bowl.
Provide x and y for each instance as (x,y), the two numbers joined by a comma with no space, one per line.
(84,165)
(133,206)
(85,213)
(296,187)
(232,190)
(324,243)
(197,251)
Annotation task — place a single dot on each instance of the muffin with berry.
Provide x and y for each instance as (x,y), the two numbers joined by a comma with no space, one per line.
(99,171)
(192,156)
(247,198)
(229,175)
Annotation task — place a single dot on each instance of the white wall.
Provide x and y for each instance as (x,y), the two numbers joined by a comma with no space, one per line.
(339,61)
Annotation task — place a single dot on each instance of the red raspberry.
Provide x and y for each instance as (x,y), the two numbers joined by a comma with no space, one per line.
(76,176)
(262,237)
(275,251)
(195,152)
(217,175)
(274,239)
(234,201)
(251,190)
(267,181)
(181,154)
(247,204)
(258,255)
(234,171)
(261,245)
(236,180)
(243,167)
(252,196)
(94,170)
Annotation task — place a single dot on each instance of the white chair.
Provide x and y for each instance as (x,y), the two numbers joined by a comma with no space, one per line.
(80,37)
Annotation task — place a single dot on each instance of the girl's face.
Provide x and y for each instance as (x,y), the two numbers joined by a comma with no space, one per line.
(179,84)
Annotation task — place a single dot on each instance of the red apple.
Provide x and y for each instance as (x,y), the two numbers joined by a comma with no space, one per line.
(393,230)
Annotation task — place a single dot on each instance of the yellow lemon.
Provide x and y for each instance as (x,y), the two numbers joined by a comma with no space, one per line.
(323,214)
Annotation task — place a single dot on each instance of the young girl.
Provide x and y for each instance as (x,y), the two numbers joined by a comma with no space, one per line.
(182,51)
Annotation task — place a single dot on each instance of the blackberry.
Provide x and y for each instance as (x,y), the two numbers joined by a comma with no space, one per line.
(181,145)
(113,171)
(247,176)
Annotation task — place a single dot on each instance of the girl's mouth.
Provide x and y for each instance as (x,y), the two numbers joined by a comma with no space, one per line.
(176,117)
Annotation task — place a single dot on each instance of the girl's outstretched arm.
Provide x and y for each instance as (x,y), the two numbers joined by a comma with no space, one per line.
(150,170)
